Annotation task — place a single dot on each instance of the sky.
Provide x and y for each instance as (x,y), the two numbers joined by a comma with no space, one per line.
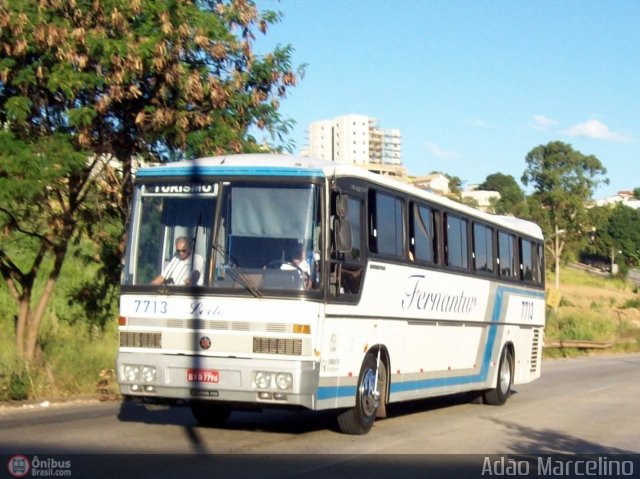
(473,86)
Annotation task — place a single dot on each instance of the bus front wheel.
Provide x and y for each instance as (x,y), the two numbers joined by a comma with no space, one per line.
(499,395)
(369,395)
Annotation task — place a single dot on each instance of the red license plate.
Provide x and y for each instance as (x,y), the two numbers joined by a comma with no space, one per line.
(202,376)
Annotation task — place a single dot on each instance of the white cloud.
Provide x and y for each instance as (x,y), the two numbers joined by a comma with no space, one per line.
(597,130)
(542,123)
(438,152)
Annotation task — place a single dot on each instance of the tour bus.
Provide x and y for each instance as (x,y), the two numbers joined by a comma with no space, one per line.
(318,285)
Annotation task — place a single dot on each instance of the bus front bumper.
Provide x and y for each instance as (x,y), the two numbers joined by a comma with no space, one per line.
(231,380)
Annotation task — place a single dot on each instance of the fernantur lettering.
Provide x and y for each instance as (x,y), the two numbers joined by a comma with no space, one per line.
(416,296)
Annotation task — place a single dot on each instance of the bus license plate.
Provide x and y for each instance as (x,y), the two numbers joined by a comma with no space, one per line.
(203,376)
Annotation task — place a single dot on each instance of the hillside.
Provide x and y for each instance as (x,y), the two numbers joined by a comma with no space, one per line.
(595,308)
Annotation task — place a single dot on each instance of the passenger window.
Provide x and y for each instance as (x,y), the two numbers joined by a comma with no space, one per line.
(539,270)
(526,260)
(387,225)
(457,253)
(423,234)
(506,255)
(482,248)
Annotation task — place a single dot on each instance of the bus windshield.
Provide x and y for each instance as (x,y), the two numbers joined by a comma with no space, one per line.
(268,237)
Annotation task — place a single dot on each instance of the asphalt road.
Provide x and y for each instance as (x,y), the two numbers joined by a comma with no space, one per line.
(580,406)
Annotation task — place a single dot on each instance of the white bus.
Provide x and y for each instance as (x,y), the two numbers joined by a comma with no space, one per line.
(323,286)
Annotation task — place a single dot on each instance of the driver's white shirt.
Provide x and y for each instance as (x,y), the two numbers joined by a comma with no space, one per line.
(179,270)
(302,265)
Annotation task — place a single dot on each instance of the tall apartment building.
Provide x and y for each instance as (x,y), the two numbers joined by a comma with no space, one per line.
(355,139)
(385,146)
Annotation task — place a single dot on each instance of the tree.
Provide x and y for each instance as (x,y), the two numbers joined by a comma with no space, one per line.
(512,199)
(624,231)
(87,86)
(563,180)
(599,241)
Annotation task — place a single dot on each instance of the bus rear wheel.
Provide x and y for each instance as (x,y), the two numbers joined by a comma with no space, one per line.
(369,396)
(210,414)
(499,395)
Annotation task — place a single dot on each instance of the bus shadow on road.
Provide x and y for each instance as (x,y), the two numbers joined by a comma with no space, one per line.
(439,402)
(288,421)
(291,421)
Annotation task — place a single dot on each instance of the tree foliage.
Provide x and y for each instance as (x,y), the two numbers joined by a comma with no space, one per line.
(88,86)
(563,181)
(624,230)
(512,198)
(599,241)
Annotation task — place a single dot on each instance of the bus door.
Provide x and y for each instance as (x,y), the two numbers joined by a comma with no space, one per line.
(347,258)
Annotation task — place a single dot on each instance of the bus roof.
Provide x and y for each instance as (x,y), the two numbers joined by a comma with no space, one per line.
(269,164)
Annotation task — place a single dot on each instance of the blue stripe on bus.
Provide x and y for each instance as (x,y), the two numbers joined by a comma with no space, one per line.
(182,171)
(332,392)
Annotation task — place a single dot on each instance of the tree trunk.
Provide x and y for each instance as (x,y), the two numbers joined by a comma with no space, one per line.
(35,320)
(21,324)
(29,321)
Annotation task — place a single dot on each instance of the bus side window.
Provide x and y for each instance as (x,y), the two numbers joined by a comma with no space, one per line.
(539,264)
(386,228)
(456,245)
(482,248)
(507,255)
(423,236)
(526,260)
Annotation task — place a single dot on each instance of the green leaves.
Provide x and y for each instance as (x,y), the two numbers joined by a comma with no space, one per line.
(82,116)
(564,180)
(512,199)
(17,108)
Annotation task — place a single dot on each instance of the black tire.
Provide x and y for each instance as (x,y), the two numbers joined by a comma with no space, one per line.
(359,419)
(210,414)
(499,395)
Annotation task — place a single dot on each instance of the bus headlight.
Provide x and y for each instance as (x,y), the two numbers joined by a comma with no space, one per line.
(148,374)
(131,372)
(284,380)
(262,379)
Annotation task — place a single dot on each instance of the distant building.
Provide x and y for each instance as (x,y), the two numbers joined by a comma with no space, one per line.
(435,182)
(357,139)
(385,146)
(484,199)
(321,144)
(625,197)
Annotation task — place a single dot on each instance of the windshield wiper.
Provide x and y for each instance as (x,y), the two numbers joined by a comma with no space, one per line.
(236,272)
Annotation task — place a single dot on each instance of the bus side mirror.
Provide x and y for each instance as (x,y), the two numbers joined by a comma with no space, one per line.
(342,206)
(342,235)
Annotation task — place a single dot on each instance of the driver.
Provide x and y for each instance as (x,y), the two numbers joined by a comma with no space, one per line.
(184,268)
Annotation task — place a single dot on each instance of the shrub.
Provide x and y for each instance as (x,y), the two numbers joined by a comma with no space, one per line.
(632,303)
(584,327)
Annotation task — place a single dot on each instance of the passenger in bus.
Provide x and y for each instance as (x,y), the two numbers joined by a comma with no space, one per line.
(184,268)
(300,263)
